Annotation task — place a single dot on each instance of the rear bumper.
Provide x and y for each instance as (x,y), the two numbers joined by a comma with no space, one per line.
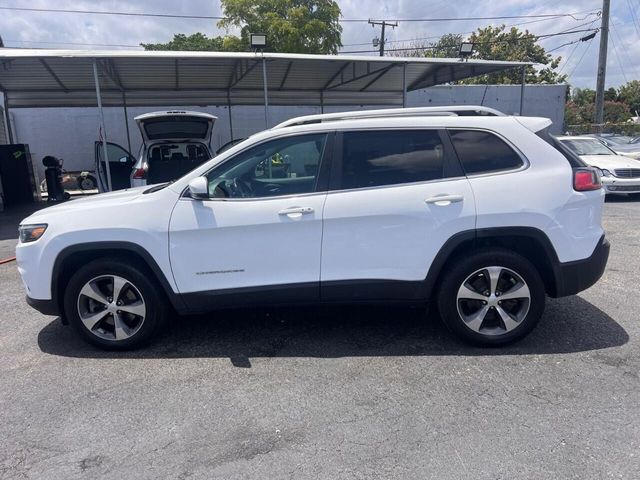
(573,277)
(46,307)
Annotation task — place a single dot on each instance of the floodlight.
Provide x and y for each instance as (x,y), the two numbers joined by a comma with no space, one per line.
(258,41)
(466,49)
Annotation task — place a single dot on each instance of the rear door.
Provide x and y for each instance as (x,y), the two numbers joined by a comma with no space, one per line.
(175,126)
(396,196)
(120,164)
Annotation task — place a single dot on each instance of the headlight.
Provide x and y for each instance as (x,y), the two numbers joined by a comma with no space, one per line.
(605,173)
(31,233)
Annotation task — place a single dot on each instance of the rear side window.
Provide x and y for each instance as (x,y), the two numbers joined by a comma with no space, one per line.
(376,158)
(483,152)
(571,157)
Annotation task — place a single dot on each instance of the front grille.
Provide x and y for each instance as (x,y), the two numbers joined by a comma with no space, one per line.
(624,188)
(627,172)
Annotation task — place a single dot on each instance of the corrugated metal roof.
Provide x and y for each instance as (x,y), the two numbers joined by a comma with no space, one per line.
(37,78)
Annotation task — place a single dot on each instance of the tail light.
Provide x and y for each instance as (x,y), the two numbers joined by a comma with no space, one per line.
(139,174)
(586,179)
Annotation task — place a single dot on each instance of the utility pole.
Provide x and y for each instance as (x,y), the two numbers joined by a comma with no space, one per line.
(381,42)
(602,66)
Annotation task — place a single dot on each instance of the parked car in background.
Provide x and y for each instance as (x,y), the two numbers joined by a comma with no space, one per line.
(75,181)
(480,214)
(620,174)
(626,149)
(174,143)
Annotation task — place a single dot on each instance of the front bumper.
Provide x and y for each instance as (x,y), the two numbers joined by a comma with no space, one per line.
(621,185)
(573,277)
(46,307)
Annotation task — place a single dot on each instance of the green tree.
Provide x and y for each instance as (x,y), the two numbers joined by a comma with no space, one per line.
(497,43)
(630,94)
(448,46)
(583,96)
(584,114)
(196,42)
(293,26)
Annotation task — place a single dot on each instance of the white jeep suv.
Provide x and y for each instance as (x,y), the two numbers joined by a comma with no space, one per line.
(482,213)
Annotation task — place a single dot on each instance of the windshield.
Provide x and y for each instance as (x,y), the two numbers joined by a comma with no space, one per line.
(619,139)
(587,146)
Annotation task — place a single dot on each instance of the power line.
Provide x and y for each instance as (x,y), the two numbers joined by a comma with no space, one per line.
(433,37)
(581,58)
(217,17)
(492,42)
(615,51)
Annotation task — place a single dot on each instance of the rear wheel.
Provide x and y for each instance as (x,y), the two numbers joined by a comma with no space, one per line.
(493,297)
(113,304)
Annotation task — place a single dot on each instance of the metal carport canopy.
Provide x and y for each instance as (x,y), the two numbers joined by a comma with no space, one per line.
(65,78)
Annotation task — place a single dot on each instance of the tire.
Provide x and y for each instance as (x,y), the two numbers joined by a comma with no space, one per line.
(87,183)
(480,319)
(140,315)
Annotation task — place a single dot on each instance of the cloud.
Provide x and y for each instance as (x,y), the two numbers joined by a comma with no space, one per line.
(624,44)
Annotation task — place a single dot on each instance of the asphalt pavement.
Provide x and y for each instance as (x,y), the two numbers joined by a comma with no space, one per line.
(332,393)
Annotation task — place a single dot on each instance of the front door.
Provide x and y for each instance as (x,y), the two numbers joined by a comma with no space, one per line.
(258,236)
(396,197)
(120,165)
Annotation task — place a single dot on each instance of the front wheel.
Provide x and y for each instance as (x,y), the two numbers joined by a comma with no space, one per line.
(492,297)
(114,305)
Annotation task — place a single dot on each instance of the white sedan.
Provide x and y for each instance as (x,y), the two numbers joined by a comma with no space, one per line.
(620,174)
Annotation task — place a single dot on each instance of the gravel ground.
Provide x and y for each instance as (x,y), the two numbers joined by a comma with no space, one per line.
(354,393)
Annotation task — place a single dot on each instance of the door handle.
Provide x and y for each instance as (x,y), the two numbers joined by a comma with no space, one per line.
(295,210)
(444,200)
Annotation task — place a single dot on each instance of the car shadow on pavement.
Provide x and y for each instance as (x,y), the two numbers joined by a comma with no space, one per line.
(569,325)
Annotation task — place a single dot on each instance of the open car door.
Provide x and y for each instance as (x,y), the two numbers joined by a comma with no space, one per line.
(120,164)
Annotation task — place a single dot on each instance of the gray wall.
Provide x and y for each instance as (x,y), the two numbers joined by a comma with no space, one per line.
(69,133)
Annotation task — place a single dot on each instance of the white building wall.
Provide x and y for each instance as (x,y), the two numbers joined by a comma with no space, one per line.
(70,133)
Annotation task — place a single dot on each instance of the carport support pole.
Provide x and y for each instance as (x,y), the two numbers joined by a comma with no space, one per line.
(404,85)
(105,153)
(7,119)
(126,120)
(266,97)
(524,73)
(230,117)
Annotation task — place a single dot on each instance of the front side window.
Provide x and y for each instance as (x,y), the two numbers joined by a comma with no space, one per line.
(286,166)
(483,152)
(390,157)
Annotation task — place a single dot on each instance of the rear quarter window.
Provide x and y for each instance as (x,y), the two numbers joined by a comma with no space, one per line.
(483,152)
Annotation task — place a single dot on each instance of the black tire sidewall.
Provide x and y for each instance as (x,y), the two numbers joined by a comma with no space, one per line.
(154,301)
(461,269)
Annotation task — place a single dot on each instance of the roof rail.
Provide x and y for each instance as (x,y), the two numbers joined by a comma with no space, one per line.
(456,110)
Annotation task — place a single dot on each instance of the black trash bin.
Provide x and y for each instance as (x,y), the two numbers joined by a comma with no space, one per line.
(53,176)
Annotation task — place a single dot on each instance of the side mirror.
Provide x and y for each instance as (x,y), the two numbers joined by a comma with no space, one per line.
(199,188)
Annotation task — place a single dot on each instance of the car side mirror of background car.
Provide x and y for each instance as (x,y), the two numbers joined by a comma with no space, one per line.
(199,188)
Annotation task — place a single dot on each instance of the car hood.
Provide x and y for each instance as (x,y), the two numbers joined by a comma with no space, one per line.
(610,161)
(90,202)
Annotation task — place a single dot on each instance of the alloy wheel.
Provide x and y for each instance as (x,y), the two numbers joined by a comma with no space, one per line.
(493,300)
(111,307)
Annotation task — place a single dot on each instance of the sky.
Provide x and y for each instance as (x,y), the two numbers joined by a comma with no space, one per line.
(68,30)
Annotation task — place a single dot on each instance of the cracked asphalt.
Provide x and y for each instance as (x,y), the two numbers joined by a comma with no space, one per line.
(341,393)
